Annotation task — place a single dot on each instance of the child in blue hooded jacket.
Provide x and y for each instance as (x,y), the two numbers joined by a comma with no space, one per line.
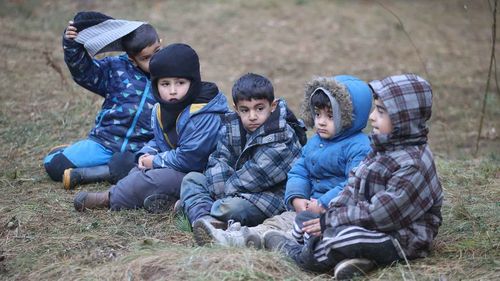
(186,121)
(338,108)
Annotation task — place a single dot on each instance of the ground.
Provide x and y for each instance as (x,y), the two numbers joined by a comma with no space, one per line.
(447,42)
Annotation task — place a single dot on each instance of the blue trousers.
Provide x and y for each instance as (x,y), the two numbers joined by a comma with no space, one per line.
(198,202)
(83,153)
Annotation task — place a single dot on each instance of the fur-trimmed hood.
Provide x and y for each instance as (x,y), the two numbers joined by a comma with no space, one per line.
(353,97)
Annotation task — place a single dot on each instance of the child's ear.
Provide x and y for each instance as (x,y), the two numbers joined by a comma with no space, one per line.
(132,61)
(274,104)
(235,107)
(161,40)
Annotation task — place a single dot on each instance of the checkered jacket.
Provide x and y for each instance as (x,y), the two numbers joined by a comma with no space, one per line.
(396,189)
(254,166)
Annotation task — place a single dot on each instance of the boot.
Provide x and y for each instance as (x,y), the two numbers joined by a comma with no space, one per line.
(350,268)
(76,176)
(159,203)
(91,200)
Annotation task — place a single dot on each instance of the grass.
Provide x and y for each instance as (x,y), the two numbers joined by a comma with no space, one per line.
(41,237)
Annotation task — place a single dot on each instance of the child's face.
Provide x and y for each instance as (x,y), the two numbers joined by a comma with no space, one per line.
(323,122)
(173,89)
(142,59)
(254,113)
(379,119)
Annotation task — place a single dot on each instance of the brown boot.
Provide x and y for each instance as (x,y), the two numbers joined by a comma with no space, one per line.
(91,200)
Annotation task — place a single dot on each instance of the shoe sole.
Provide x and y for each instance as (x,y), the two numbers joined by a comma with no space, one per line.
(79,201)
(346,270)
(253,241)
(67,179)
(158,203)
(201,233)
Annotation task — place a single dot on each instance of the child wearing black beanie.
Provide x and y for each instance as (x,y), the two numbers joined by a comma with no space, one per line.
(185,121)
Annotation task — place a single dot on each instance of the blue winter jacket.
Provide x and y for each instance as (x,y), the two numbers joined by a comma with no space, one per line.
(197,127)
(323,168)
(123,123)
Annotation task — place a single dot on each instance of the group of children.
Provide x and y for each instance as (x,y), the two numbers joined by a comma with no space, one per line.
(343,202)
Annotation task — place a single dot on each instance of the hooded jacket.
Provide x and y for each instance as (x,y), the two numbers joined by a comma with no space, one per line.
(396,189)
(197,127)
(323,168)
(123,123)
(254,166)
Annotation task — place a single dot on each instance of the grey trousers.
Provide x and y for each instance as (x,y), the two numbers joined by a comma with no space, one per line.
(130,192)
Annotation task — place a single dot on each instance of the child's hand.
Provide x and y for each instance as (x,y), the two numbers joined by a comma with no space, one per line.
(71,31)
(312,227)
(145,161)
(315,207)
(300,204)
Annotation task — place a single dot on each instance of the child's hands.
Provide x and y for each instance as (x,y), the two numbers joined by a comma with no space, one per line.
(145,161)
(71,31)
(315,207)
(300,204)
(312,227)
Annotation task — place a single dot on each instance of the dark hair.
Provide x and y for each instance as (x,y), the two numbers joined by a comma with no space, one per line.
(252,86)
(320,100)
(144,36)
(375,95)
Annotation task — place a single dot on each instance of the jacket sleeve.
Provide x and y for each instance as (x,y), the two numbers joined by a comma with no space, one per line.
(150,147)
(268,167)
(196,141)
(354,154)
(87,72)
(406,198)
(298,184)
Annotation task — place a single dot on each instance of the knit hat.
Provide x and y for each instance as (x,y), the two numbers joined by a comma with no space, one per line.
(100,33)
(179,61)
(176,60)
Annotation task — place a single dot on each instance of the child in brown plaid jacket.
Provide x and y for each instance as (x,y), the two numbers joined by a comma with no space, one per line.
(391,206)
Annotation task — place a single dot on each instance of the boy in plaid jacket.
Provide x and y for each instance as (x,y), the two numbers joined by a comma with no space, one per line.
(391,206)
(246,175)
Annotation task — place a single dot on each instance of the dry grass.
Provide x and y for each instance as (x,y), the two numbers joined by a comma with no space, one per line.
(41,237)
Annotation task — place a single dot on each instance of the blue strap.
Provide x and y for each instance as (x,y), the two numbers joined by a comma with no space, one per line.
(137,115)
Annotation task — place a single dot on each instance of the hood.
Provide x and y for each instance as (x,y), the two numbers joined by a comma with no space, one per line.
(354,99)
(408,100)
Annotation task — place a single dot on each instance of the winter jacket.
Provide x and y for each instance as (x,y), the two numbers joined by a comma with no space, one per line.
(323,168)
(396,189)
(254,166)
(123,123)
(197,127)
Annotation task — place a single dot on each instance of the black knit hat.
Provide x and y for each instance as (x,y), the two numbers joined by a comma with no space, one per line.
(176,60)
(85,19)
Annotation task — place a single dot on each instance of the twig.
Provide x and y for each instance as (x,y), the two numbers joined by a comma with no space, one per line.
(55,66)
(407,35)
(492,59)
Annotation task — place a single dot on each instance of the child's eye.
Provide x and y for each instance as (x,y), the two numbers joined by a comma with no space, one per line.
(330,116)
(260,108)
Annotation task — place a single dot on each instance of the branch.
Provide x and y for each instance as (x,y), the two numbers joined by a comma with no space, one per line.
(492,60)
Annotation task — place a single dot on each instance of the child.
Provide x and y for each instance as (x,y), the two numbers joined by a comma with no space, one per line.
(391,206)
(185,122)
(123,124)
(338,107)
(246,174)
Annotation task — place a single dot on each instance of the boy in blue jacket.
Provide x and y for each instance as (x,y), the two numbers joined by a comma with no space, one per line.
(246,174)
(123,124)
(338,107)
(185,122)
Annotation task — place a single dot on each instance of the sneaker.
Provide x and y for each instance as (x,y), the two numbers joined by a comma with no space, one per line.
(159,203)
(233,225)
(205,233)
(278,241)
(350,268)
(254,240)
